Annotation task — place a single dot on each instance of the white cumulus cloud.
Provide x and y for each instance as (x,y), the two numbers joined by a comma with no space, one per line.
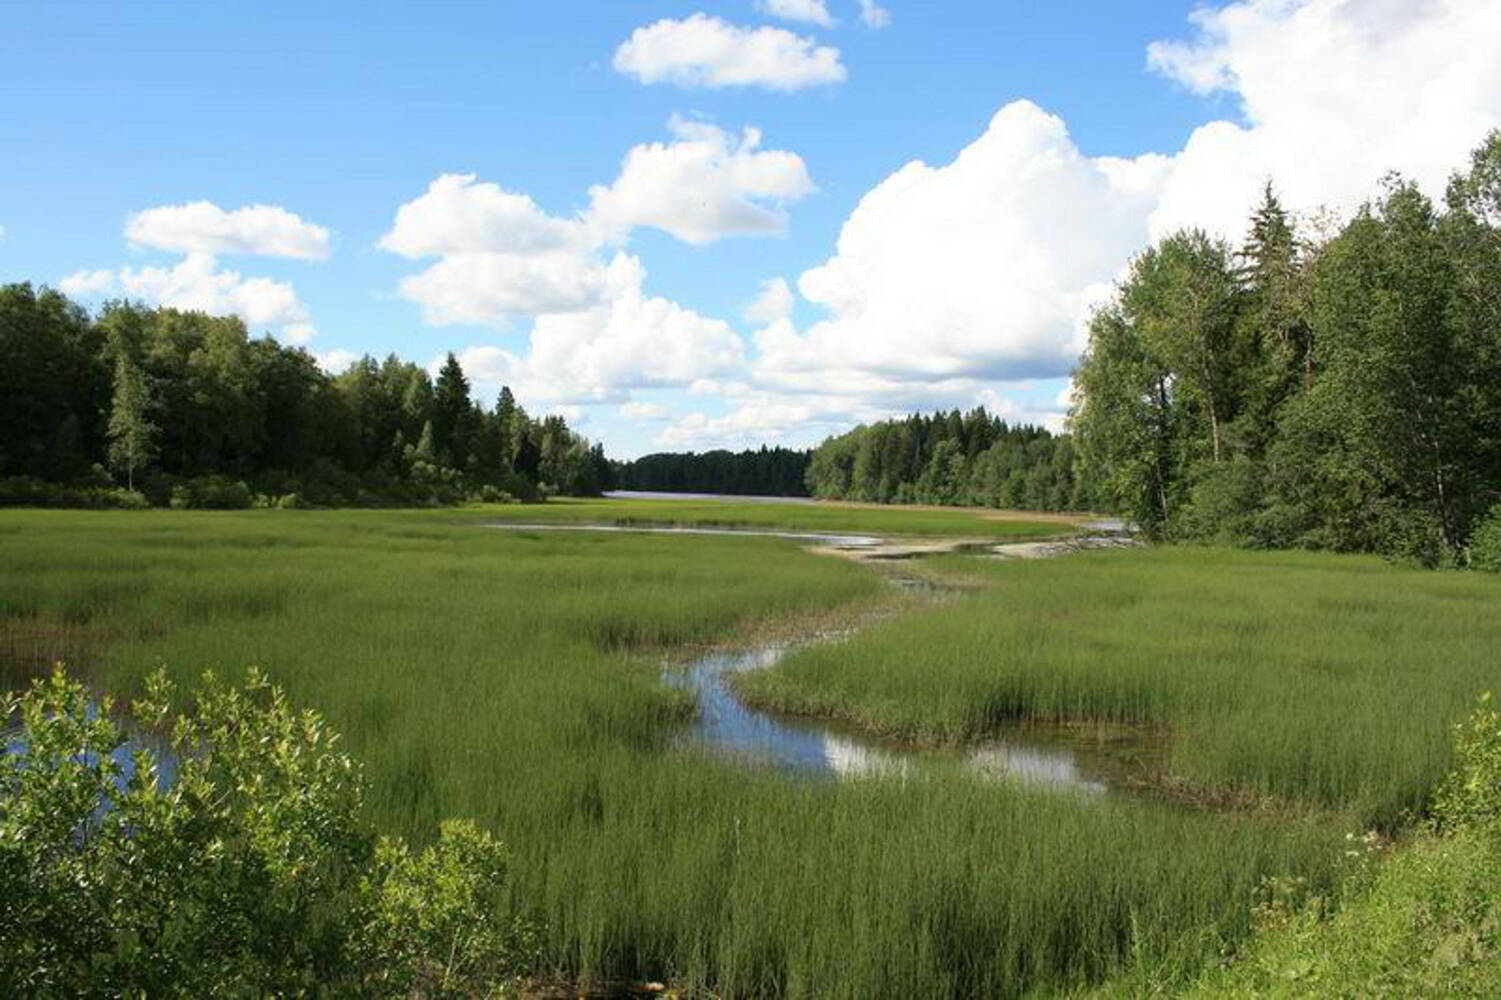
(458,214)
(873,15)
(196,283)
(772,303)
(705,51)
(628,341)
(201,227)
(86,283)
(808,11)
(975,268)
(703,186)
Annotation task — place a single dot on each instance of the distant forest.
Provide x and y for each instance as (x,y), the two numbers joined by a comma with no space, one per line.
(140,406)
(972,459)
(777,472)
(1337,391)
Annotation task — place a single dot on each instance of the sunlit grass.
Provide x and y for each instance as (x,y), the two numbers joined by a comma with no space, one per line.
(1323,678)
(500,676)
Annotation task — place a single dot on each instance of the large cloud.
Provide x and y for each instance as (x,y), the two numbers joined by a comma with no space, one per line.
(976,268)
(196,283)
(629,340)
(595,333)
(704,51)
(701,187)
(457,214)
(201,231)
(1334,93)
(201,227)
(985,267)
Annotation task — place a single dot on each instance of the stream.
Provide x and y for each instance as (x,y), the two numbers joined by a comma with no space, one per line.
(1054,757)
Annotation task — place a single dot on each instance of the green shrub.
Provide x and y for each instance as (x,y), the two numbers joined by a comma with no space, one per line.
(1485,543)
(289,501)
(1470,796)
(249,870)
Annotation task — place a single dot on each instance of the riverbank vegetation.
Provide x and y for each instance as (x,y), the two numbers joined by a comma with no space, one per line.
(774,472)
(136,406)
(973,459)
(513,680)
(1285,676)
(1332,389)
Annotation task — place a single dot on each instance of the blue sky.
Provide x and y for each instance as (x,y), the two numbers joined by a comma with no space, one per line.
(953,286)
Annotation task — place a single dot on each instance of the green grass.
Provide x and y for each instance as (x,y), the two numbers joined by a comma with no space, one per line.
(1424,922)
(499,676)
(1329,680)
(814,517)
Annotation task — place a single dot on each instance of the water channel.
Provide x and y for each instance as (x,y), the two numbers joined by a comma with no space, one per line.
(1077,761)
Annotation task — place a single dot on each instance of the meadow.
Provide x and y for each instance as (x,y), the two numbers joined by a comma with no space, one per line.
(1327,681)
(514,679)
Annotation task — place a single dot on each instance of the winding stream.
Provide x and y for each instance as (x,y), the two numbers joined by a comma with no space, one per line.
(723,724)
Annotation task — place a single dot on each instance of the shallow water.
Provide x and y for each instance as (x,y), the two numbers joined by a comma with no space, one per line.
(823,748)
(818,538)
(728,497)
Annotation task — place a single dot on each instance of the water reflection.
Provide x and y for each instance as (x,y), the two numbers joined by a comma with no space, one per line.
(726,725)
(819,538)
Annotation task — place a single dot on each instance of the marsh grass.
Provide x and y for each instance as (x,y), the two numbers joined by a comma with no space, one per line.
(500,677)
(1328,680)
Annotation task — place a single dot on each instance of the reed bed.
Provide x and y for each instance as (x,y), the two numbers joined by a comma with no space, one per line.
(514,679)
(1330,680)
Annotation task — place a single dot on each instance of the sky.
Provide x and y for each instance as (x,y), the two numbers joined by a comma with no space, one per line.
(702,224)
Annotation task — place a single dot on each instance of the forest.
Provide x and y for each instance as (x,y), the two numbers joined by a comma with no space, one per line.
(973,460)
(777,472)
(146,406)
(1335,389)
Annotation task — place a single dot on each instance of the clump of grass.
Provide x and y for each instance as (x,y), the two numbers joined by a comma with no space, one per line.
(1329,680)
(1421,920)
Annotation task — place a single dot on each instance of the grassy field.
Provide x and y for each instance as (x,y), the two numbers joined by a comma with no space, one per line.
(813,517)
(1329,680)
(513,679)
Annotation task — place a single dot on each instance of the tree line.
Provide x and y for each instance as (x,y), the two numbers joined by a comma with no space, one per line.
(1338,391)
(971,459)
(777,472)
(140,405)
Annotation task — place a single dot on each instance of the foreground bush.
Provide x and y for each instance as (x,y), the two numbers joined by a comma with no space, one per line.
(231,860)
(1425,921)
(1485,545)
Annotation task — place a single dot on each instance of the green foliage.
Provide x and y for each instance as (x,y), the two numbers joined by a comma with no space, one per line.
(28,491)
(131,433)
(1423,919)
(1485,543)
(1471,795)
(974,459)
(191,397)
(233,859)
(212,493)
(1352,386)
(753,472)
